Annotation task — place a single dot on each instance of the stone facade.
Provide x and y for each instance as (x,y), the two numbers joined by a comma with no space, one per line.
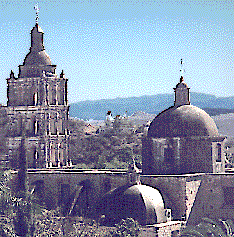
(37,104)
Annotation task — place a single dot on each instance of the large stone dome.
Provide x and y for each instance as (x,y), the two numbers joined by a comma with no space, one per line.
(182,121)
(37,58)
(141,202)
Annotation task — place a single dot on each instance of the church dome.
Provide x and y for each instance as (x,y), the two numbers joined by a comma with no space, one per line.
(141,202)
(37,58)
(182,121)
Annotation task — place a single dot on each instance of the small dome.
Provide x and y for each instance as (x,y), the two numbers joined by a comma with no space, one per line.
(182,121)
(37,58)
(37,28)
(141,202)
(182,85)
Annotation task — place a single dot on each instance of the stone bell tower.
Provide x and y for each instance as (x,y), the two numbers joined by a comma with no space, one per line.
(37,103)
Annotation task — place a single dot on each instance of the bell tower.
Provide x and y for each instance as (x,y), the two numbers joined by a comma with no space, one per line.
(39,98)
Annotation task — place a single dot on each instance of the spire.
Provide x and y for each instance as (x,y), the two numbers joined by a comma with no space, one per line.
(12,74)
(133,173)
(181,90)
(37,54)
(62,74)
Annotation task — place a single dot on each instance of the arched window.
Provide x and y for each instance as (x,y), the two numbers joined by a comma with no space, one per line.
(60,93)
(219,152)
(35,98)
(38,190)
(53,157)
(35,157)
(53,128)
(168,154)
(31,125)
(61,155)
(65,198)
(36,127)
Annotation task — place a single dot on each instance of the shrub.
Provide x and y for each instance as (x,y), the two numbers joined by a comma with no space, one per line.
(126,228)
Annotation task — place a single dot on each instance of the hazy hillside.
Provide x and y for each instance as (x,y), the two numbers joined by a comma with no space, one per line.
(149,104)
(225,124)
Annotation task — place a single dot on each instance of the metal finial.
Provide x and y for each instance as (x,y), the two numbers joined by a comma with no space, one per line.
(181,69)
(37,13)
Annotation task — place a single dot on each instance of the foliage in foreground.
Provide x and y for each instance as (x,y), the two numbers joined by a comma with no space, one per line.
(209,227)
(51,223)
(126,228)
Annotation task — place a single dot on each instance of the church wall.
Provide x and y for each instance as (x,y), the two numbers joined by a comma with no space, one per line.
(173,190)
(169,229)
(214,198)
(25,92)
(26,71)
(147,157)
(40,123)
(99,184)
(196,156)
(192,187)
(189,196)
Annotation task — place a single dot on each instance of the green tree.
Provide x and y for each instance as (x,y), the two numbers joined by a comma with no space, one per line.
(3,133)
(126,228)
(6,207)
(23,222)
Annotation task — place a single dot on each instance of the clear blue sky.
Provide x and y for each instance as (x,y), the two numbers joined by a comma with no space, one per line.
(116,48)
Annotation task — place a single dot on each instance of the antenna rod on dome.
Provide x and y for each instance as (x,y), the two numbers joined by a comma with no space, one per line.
(182,70)
(37,13)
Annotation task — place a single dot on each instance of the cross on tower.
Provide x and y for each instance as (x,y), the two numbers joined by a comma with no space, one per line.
(181,69)
(37,12)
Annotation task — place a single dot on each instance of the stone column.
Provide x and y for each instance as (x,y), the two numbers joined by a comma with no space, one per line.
(65,92)
(56,93)
(45,93)
(51,154)
(58,154)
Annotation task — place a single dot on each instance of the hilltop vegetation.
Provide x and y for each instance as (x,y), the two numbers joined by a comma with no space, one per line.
(114,147)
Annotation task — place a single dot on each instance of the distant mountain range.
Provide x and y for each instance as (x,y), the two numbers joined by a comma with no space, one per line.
(150,104)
